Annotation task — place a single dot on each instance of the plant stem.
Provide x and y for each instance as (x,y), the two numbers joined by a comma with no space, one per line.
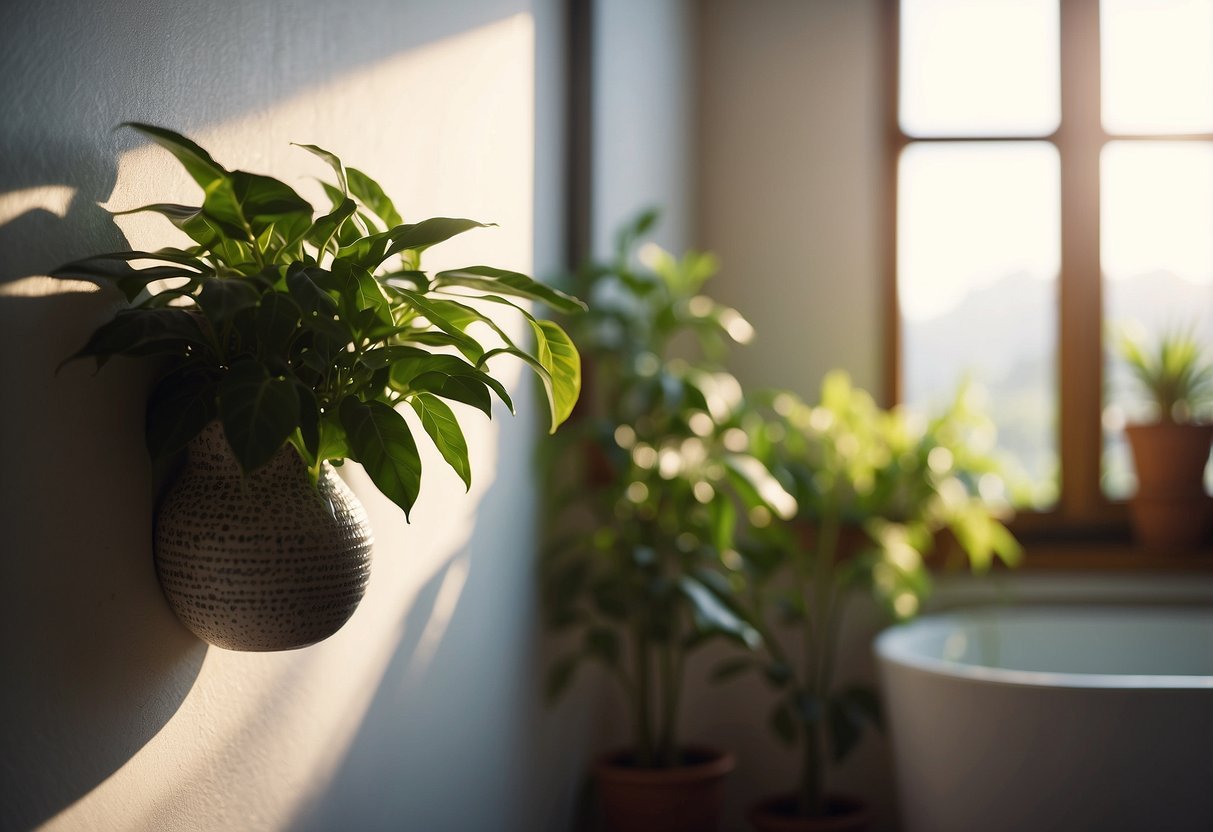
(640,699)
(666,747)
(812,781)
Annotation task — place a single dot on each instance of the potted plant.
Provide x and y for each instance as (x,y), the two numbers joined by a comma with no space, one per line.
(648,503)
(877,491)
(1170,508)
(288,341)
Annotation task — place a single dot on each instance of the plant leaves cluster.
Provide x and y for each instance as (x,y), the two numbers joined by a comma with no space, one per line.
(652,484)
(310,328)
(877,490)
(1175,372)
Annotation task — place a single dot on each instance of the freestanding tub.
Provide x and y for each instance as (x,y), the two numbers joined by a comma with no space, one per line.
(1038,719)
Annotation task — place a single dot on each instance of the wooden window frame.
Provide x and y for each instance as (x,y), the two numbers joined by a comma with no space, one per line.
(1085,529)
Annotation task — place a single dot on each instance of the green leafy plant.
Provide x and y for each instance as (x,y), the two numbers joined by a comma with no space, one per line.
(295,328)
(877,491)
(655,487)
(1175,373)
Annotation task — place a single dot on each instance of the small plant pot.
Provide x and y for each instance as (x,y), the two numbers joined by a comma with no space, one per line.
(684,798)
(1170,509)
(1171,523)
(778,814)
(260,562)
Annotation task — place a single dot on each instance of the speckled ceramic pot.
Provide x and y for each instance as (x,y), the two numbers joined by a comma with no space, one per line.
(263,562)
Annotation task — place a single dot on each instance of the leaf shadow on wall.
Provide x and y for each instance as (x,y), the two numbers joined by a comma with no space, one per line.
(94,662)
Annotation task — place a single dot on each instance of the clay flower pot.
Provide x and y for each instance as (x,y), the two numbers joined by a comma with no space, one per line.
(778,814)
(684,798)
(1170,509)
(260,562)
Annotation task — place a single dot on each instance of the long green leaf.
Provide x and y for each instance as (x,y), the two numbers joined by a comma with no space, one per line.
(144,332)
(440,423)
(711,613)
(489,279)
(333,162)
(196,161)
(449,377)
(556,352)
(439,316)
(259,411)
(380,439)
(420,236)
(372,196)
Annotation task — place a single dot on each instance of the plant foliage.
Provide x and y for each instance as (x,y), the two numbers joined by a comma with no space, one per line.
(1175,373)
(877,490)
(310,329)
(654,485)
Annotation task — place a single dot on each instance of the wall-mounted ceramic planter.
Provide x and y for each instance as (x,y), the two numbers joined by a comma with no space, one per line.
(260,562)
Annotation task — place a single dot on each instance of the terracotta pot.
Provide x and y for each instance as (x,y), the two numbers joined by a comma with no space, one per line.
(685,798)
(263,562)
(1170,509)
(778,814)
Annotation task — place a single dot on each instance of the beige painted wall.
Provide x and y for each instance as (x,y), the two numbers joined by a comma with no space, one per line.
(789,183)
(423,711)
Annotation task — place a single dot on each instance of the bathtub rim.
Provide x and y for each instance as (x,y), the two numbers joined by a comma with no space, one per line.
(889,647)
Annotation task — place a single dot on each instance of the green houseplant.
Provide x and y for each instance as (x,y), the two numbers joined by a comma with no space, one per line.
(288,341)
(1170,509)
(650,500)
(877,491)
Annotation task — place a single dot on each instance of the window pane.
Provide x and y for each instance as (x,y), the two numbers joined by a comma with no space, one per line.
(978,255)
(1157,65)
(1157,251)
(979,67)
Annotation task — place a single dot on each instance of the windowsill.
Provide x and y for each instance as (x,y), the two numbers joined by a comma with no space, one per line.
(1112,556)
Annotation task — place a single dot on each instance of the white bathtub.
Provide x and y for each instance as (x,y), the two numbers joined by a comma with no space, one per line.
(1041,719)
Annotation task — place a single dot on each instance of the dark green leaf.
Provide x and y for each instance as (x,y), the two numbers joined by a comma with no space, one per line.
(325,229)
(180,406)
(259,411)
(223,298)
(309,419)
(440,423)
(447,376)
(278,319)
(311,299)
(380,439)
(144,332)
(372,196)
(129,280)
(264,198)
(500,281)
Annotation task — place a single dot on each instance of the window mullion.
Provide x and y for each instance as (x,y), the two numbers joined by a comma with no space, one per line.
(1079,142)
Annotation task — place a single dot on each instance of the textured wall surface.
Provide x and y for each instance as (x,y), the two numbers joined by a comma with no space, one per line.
(421,712)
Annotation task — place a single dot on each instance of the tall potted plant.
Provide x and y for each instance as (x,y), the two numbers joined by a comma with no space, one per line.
(647,507)
(876,493)
(1170,509)
(288,341)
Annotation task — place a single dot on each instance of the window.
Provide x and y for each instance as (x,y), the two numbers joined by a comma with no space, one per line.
(1054,182)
